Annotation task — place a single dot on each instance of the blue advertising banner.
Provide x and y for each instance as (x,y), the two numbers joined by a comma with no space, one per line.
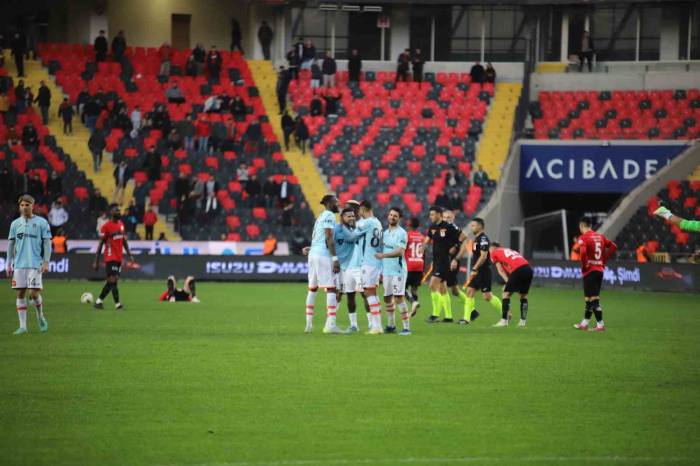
(591,168)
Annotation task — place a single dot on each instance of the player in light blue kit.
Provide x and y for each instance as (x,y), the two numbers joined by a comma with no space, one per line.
(350,279)
(28,255)
(323,266)
(395,271)
(370,231)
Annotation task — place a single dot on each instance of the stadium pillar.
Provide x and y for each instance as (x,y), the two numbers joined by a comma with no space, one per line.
(432,38)
(639,30)
(483,35)
(564,55)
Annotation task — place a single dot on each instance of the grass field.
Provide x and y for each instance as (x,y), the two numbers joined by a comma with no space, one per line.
(234,381)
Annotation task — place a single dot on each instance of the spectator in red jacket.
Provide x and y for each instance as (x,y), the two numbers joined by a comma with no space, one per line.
(150,218)
(203,132)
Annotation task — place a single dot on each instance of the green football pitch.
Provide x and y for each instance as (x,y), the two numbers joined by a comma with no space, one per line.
(235,381)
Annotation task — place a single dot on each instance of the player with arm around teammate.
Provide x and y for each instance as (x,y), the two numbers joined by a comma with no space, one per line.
(113,238)
(394,272)
(28,256)
(596,249)
(370,242)
(350,278)
(517,273)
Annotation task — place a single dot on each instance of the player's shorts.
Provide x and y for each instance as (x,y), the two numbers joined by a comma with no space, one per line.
(321,272)
(27,278)
(441,268)
(592,283)
(451,278)
(179,295)
(394,285)
(482,280)
(113,268)
(351,281)
(520,280)
(370,276)
(414,279)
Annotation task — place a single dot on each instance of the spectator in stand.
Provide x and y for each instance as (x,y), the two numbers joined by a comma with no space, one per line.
(30,138)
(442,200)
(306,217)
(187,132)
(97,202)
(131,220)
(452,178)
(238,109)
(183,187)
(200,57)
(586,52)
(28,97)
(281,88)
(480,178)
(174,95)
(91,112)
(456,202)
(332,103)
(122,175)
(265,37)
(65,111)
(191,66)
(477,73)
(214,63)
(308,55)
(12,136)
(174,140)
(354,66)
(100,46)
(135,118)
(218,136)
(7,186)
(287,214)
(490,73)
(418,62)
(57,216)
(269,245)
(101,220)
(43,98)
(160,119)
(329,68)
(287,124)
(283,193)
(4,105)
(59,243)
(18,51)
(242,173)
(253,189)
(165,54)
(203,132)
(270,191)
(150,218)
(316,75)
(212,104)
(293,64)
(316,106)
(402,65)
(152,164)
(97,144)
(19,97)
(252,138)
(80,102)
(302,134)
(54,186)
(236,36)
(35,188)
(118,47)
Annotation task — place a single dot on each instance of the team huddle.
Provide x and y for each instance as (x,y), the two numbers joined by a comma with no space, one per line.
(357,254)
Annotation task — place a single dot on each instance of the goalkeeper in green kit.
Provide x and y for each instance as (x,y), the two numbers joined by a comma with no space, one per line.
(685,225)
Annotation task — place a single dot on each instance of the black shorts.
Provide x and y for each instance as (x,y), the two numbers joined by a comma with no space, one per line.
(592,283)
(181,295)
(519,281)
(414,279)
(113,268)
(482,280)
(452,277)
(441,269)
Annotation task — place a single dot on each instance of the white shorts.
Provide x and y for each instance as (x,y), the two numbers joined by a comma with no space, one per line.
(394,285)
(351,281)
(370,276)
(26,278)
(321,272)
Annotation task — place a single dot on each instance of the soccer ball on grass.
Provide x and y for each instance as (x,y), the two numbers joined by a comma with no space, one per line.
(86,298)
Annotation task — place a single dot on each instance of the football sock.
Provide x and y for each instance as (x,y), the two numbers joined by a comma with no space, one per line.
(353,319)
(193,288)
(115,293)
(105,291)
(22,313)
(171,287)
(496,303)
(405,318)
(523,309)
(598,311)
(310,300)
(375,309)
(588,313)
(435,296)
(38,304)
(409,296)
(391,315)
(331,306)
(505,308)
(469,306)
(447,304)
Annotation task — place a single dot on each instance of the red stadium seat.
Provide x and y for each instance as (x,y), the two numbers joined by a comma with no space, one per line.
(259,213)
(253,231)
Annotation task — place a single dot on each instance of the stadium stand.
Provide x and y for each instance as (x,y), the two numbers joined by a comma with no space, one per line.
(394,142)
(27,162)
(135,81)
(655,114)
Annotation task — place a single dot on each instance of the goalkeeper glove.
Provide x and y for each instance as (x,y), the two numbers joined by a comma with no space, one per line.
(663,212)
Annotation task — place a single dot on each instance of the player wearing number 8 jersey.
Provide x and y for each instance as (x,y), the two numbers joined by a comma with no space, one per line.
(596,249)
(370,242)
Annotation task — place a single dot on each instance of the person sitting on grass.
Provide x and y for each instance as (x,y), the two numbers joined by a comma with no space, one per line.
(185,294)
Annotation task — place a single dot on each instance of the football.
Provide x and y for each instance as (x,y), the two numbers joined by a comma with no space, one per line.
(86,298)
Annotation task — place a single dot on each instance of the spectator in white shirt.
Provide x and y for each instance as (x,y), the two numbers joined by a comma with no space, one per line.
(57,216)
(136,118)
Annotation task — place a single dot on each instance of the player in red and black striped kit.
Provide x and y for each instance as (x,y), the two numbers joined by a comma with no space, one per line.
(415,263)
(596,249)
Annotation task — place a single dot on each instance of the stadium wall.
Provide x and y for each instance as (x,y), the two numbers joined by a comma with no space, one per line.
(623,213)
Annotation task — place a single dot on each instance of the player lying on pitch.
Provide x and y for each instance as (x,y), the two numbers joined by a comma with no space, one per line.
(187,293)
(686,225)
